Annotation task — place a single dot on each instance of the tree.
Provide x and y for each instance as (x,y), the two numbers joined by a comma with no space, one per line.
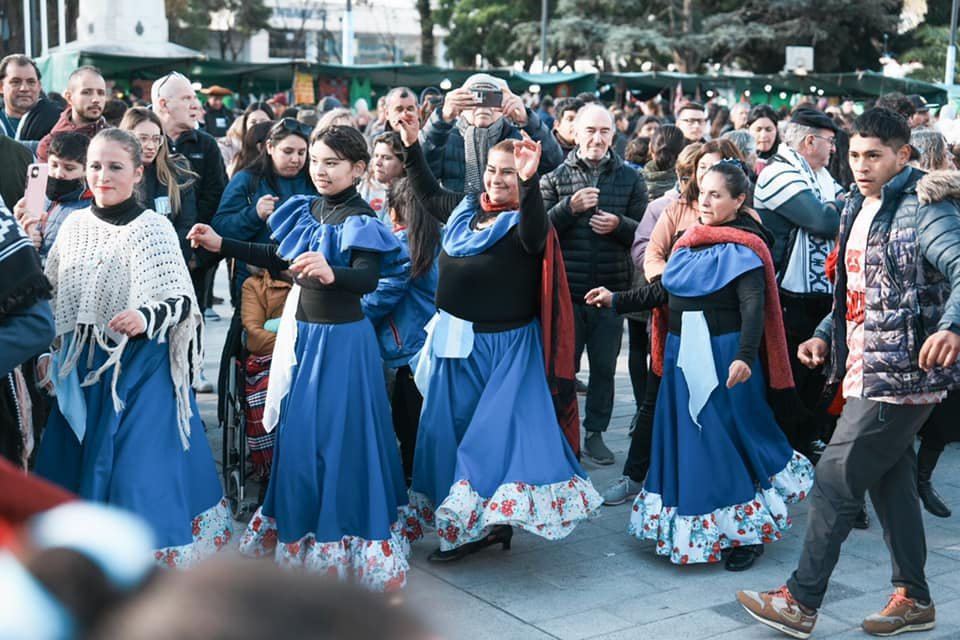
(239,20)
(490,28)
(189,22)
(427,43)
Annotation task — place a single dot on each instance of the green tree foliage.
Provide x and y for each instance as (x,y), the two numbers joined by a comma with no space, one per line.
(190,22)
(624,34)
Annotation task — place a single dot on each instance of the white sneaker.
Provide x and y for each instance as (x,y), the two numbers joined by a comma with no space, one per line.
(620,490)
(202,385)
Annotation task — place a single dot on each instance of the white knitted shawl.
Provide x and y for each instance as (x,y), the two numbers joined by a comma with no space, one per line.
(98,270)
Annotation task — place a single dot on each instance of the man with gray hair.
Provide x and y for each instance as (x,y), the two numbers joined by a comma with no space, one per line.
(595,202)
(800,203)
(473,119)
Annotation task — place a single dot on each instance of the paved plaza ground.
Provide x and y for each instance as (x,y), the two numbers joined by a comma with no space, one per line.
(601,583)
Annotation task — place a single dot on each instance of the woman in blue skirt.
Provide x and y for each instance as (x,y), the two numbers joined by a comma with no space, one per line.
(491,453)
(126,430)
(721,471)
(336,500)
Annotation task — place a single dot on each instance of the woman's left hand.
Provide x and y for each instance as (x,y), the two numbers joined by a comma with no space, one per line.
(130,323)
(739,372)
(599,297)
(313,264)
(526,156)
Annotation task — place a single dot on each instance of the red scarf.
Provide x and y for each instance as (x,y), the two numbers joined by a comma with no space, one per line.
(25,494)
(556,319)
(774,354)
(489,207)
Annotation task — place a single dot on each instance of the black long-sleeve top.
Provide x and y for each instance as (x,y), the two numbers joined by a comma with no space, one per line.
(499,288)
(335,303)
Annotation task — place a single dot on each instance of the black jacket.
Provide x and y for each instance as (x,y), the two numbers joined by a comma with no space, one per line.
(13,170)
(36,124)
(153,193)
(217,122)
(591,259)
(201,149)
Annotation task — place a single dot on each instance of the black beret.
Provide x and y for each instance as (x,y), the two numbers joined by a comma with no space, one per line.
(813,118)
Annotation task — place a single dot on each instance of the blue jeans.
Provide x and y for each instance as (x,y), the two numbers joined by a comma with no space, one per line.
(600,331)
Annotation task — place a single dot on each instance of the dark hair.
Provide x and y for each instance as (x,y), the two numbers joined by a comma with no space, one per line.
(638,150)
(391,139)
(879,122)
(839,165)
(87,68)
(347,142)
(734,178)
(722,146)
(546,102)
(666,143)
(423,230)
(113,111)
(719,122)
(898,103)
(759,112)
(567,104)
(401,92)
(255,106)
(69,145)
(647,120)
(689,106)
(20,60)
(586,97)
(252,145)
(126,140)
(262,167)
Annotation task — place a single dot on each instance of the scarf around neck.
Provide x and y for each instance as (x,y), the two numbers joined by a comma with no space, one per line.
(476,144)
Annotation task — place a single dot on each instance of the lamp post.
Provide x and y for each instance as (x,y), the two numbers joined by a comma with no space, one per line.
(950,71)
(543,36)
(346,56)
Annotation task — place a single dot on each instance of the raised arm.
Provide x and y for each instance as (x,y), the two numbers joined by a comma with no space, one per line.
(438,201)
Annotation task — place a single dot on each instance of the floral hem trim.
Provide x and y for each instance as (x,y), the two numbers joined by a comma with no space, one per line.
(702,538)
(550,511)
(212,531)
(379,565)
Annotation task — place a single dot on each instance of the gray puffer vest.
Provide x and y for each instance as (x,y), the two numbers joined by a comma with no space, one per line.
(912,272)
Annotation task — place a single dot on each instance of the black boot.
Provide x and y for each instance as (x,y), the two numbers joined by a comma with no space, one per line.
(500,534)
(862,521)
(932,502)
(743,557)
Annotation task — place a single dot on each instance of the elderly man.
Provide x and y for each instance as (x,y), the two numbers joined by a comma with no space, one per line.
(86,96)
(473,119)
(24,114)
(176,104)
(595,201)
(399,102)
(798,201)
(691,118)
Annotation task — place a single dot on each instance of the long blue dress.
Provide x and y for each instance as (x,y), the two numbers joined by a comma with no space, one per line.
(723,477)
(337,498)
(490,450)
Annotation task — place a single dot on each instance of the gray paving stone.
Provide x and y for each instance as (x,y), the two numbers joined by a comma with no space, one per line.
(601,583)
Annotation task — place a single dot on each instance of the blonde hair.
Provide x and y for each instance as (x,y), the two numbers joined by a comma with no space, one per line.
(173,172)
(341,116)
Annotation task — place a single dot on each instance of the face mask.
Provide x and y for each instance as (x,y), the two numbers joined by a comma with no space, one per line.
(58,188)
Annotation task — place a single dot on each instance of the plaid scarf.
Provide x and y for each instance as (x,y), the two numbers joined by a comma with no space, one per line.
(476,143)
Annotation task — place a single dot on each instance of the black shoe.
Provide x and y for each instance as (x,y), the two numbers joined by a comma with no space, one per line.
(816,450)
(862,521)
(743,557)
(932,502)
(581,387)
(501,534)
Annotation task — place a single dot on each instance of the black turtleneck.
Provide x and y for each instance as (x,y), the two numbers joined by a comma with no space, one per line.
(738,306)
(319,303)
(118,214)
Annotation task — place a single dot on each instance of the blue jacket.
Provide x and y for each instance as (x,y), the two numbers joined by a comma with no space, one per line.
(443,148)
(237,218)
(57,213)
(399,308)
(912,272)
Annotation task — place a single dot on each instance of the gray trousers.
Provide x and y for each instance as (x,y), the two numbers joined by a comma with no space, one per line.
(871,450)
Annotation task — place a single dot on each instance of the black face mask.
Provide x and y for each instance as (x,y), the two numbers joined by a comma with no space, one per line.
(58,188)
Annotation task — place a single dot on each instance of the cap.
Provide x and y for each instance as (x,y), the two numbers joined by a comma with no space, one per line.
(329,103)
(919,102)
(813,118)
(216,90)
(485,82)
(280,98)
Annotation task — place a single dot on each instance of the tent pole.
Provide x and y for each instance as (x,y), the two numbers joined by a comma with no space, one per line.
(27,31)
(44,29)
(543,37)
(61,23)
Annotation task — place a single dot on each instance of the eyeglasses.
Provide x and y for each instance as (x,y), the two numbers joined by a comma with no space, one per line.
(156,141)
(831,140)
(293,126)
(166,78)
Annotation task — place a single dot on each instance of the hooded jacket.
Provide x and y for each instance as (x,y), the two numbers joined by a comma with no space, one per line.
(38,122)
(912,273)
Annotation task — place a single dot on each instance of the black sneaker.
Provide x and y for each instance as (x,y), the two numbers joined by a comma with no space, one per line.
(862,521)
(581,387)
(596,450)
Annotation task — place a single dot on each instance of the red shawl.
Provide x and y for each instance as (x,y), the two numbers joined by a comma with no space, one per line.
(774,352)
(24,494)
(556,318)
